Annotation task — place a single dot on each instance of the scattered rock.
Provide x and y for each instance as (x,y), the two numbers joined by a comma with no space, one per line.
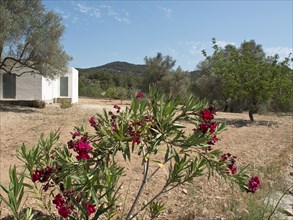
(184,191)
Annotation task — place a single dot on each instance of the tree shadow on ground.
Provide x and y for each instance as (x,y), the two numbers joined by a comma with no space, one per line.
(238,123)
(38,215)
(16,109)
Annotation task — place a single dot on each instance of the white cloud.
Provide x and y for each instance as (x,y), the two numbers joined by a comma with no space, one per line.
(102,11)
(121,17)
(282,51)
(63,14)
(222,43)
(168,12)
(194,47)
(91,11)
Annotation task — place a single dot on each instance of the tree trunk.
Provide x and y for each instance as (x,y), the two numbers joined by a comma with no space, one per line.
(226,106)
(250,113)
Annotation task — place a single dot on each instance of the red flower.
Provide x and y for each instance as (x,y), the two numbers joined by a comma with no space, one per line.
(37,175)
(117,107)
(215,139)
(90,208)
(42,175)
(139,95)
(148,119)
(253,184)
(207,115)
(92,121)
(75,134)
(83,146)
(213,127)
(83,156)
(58,201)
(64,211)
(204,127)
(137,137)
(233,168)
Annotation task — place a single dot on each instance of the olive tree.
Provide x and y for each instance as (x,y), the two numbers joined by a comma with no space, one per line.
(248,75)
(30,39)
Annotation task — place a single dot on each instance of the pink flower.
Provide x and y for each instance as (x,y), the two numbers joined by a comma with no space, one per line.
(253,184)
(139,95)
(83,146)
(90,208)
(113,126)
(92,121)
(75,134)
(83,156)
(148,119)
(233,168)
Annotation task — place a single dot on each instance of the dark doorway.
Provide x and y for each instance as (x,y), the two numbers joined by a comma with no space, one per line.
(63,86)
(9,86)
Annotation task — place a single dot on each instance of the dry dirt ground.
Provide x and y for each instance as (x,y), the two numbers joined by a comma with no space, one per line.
(266,144)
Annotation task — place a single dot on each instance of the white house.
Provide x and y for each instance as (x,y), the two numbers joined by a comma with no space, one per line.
(31,86)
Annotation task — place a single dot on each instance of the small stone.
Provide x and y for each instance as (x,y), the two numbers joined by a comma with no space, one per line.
(184,191)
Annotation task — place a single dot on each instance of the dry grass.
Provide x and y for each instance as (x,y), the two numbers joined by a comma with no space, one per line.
(266,145)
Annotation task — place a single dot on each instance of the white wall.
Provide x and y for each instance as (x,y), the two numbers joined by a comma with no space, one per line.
(36,87)
(50,89)
(29,87)
(74,85)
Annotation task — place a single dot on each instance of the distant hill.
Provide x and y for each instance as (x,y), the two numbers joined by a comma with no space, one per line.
(115,67)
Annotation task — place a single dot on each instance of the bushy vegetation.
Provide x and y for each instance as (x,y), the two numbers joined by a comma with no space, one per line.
(235,79)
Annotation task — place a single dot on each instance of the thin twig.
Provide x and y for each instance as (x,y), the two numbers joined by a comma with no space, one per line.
(146,168)
(279,202)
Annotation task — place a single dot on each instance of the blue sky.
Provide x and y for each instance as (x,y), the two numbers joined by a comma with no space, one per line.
(99,32)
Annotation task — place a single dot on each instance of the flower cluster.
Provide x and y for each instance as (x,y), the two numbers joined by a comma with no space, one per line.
(253,184)
(92,121)
(91,208)
(207,115)
(42,175)
(81,146)
(139,95)
(63,209)
(231,160)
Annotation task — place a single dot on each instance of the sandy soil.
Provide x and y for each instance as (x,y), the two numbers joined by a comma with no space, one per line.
(264,143)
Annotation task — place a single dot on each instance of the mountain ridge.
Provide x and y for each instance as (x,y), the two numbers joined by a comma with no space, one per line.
(116,66)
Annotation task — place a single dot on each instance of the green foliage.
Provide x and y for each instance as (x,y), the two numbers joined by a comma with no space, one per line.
(112,93)
(90,90)
(156,68)
(14,195)
(248,76)
(156,208)
(30,37)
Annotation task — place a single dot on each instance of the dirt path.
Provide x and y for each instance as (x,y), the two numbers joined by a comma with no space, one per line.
(265,144)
